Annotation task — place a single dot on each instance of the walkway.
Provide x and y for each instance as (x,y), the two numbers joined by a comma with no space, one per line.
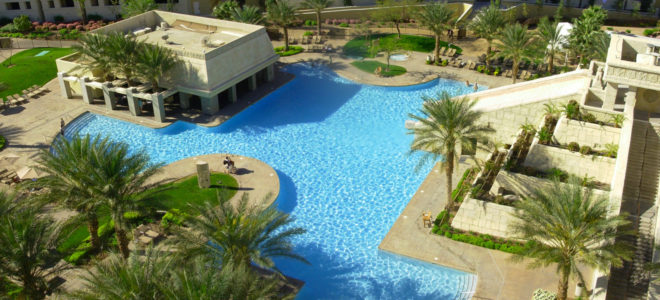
(498,278)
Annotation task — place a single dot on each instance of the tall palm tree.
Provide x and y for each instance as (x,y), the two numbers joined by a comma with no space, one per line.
(94,51)
(446,124)
(569,226)
(517,43)
(28,253)
(318,6)
(550,34)
(67,166)
(117,176)
(437,17)
(282,13)
(155,62)
(122,51)
(83,11)
(239,234)
(487,24)
(247,14)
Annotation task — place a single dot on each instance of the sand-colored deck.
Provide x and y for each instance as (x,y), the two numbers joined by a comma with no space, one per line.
(255,177)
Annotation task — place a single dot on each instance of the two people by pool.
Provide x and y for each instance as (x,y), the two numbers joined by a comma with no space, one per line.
(229,165)
(475,86)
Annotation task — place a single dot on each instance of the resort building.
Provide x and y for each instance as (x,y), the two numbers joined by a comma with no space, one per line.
(219,60)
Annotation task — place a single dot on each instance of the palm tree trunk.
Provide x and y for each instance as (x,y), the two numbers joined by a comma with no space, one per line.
(318,23)
(40,9)
(93,227)
(398,31)
(515,70)
(488,51)
(437,47)
(83,12)
(563,283)
(449,171)
(286,39)
(154,86)
(122,241)
(551,62)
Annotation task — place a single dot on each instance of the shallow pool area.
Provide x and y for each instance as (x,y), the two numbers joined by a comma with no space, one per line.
(340,150)
(399,57)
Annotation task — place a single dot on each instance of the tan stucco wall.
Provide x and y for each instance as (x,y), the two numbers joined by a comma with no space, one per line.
(544,157)
(484,217)
(586,134)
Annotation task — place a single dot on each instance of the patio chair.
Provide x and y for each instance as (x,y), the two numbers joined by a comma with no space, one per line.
(426,219)
(20,98)
(508,73)
(471,65)
(13,100)
(442,51)
(451,52)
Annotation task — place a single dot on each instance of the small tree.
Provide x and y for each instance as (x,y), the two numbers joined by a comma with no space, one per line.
(488,24)
(389,46)
(517,43)
(135,7)
(248,14)
(437,17)
(318,6)
(585,30)
(155,62)
(224,10)
(550,35)
(22,23)
(282,13)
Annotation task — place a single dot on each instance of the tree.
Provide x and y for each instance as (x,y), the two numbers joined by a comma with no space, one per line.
(600,46)
(388,46)
(83,11)
(135,7)
(224,10)
(122,52)
(517,43)
(394,11)
(487,24)
(247,14)
(282,13)
(28,255)
(568,225)
(117,178)
(93,49)
(318,6)
(40,11)
(437,17)
(444,125)
(550,35)
(155,62)
(67,165)
(239,234)
(585,30)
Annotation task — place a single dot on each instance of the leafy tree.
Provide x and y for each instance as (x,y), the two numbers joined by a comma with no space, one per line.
(282,13)
(224,9)
(394,11)
(239,234)
(155,62)
(67,165)
(28,254)
(517,43)
(135,7)
(22,23)
(585,30)
(83,11)
(318,6)
(568,225)
(248,14)
(437,17)
(122,51)
(389,46)
(550,34)
(444,125)
(488,24)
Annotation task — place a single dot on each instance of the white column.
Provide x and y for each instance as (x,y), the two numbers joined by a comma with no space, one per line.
(270,73)
(159,107)
(610,96)
(109,97)
(84,90)
(133,103)
(252,82)
(210,105)
(184,100)
(64,85)
(233,97)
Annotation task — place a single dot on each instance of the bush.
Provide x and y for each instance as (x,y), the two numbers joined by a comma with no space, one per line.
(497,71)
(94,17)
(541,294)
(292,50)
(445,63)
(448,234)
(173,217)
(308,33)
(481,69)
(588,117)
(76,256)
(22,23)
(58,19)
(558,174)
(584,150)
(8,28)
(132,215)
(650,31)
(573,146)
(343,25)
(3,142)
(441,219)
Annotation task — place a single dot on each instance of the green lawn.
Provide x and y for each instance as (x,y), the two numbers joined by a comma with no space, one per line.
(360,47)
(370,66)
(28,70)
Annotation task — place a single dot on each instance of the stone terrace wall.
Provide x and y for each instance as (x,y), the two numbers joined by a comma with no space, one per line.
(524,185)
(544,157)
(484,217)
(584,133)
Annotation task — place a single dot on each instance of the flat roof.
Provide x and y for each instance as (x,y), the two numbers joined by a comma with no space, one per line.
(189,40)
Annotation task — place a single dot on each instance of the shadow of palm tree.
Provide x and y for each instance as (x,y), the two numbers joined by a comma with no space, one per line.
(10,131)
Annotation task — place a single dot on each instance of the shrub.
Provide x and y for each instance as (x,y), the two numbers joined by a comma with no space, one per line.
(618,120)
(8,28)
(650,31)
(557,174)
(22,23)
(94,17)
(627,30)
(132,215)
(489,245)
(448,235)
(584,150)
(573,146)
(445,62)
(441,218)
(545,136)
(308,33)
(610,28)
(480,69)
(292,50)
(588,117)
(58,19)
(497,71)
(343,25)
(76,256)
(572,109)
(611,150)
(541,294)
(3,142)
(173,217)
(52,27)
(308,22)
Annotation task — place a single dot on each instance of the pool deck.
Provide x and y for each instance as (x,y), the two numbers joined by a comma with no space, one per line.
(255,177)
(497,276)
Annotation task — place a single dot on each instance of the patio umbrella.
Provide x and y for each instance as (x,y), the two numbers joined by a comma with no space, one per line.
(27,173)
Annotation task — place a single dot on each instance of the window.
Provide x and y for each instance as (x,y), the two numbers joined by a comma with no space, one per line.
(13,6)
(51,3)
(66,3)
(28,5)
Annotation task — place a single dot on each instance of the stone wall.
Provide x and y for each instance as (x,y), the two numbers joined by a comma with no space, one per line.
(484,217)
(544,157)
(524,185)
(583,133)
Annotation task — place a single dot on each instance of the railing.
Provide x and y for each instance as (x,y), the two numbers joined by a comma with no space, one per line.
(18,43)
(634,74)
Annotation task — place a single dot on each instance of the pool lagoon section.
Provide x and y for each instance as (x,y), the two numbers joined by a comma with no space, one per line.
(341,152)
(399,57)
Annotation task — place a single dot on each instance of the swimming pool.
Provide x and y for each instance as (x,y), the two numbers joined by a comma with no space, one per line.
(340,150)
(398,57)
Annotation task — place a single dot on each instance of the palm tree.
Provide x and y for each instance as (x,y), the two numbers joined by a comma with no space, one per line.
(28,253)
(83,11)
(239,234)
(568,225)
(248,14)
(135,7)
(487,24)
(122,51)
(437,17)
(318,6)
(446,124)
(67,166)
(93,49)
(516,43)
(282,13)
(155,62)
(550,34)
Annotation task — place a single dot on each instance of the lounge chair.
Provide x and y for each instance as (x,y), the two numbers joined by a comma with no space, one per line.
(471,65)
(451,52)
(508,73)
(12,100)
(442,51)
(426,219)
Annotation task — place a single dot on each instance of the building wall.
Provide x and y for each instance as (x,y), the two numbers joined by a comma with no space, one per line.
(544,157)
(484,217)
(586,134)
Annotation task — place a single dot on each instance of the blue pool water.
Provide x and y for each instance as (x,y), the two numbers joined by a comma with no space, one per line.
(42,53)
(340,150)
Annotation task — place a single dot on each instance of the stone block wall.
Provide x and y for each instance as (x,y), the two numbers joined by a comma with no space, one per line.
(585,134)
(484,217)
(544,157)
(524,185)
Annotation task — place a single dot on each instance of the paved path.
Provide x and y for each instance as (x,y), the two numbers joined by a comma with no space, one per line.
(498,278)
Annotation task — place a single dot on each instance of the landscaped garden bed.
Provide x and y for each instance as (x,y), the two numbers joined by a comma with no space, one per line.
(292,50)
(370,66)
(22,27)
(363,47)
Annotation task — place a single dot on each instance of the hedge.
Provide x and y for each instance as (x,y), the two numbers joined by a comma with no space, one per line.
(3,141)
(292,50)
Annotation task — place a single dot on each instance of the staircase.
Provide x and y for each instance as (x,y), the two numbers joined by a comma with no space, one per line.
(639,196)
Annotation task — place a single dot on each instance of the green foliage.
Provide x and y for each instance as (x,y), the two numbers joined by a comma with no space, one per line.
(8,28)
(589,117)
(573,146)
(445,62)
(29,70)
(618,120)
(481,68)
(586,32)
(497,71)
(132,215)
(370,66)
(343,25)
(541,294)
(611,150)
(292,50)
(544,135)
(437,17)
(131,8)
(22,23)
(649,31)
(481,240)
(308,33)
(173,217)
(247,14)
(442,219)
(361,47)
(461,187)
(584,150)
(3,142)
(517,43)
(557,174)
(572,110)
(224,9)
